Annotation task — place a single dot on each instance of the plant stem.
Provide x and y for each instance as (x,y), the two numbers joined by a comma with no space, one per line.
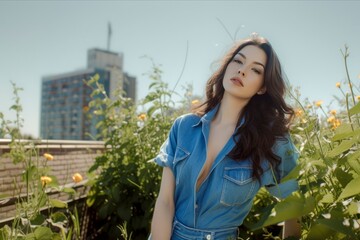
(348,112)
(346,55)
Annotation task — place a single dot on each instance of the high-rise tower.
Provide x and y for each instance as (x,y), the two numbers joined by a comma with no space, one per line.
(65,97)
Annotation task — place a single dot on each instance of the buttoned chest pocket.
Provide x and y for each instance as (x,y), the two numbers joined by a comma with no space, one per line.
(179,161)
(238,186)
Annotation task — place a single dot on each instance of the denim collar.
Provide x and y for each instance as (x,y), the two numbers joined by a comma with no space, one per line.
(211,114)
(208,116)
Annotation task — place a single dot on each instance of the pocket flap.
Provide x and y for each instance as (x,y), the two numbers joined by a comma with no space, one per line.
(180,155)
(239,175)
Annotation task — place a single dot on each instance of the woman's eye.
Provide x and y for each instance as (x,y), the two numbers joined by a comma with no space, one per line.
(238,61)
(256,71)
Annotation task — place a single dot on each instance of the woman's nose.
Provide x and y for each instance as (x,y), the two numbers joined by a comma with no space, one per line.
(242,73)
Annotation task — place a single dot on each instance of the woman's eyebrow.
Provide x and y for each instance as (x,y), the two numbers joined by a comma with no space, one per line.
(258,63)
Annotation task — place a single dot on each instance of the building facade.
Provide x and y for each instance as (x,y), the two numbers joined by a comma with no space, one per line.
(65,97)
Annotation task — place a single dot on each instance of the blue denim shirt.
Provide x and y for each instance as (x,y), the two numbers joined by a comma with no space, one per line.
(226,195)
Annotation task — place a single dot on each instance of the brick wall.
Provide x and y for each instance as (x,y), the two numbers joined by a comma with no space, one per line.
(69,157)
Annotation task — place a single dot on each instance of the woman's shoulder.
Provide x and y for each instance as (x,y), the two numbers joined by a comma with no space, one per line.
(188,119)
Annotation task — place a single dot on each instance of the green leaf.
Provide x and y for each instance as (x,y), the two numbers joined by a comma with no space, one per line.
(104,211)
(150,97)
(343,176)
(57,236)
(347,134)
(43,233)
(355,109)
(69,234)
(115,194)
(351,189)
(38,220)
(343,146)
(5,233)
(353,208)
(57,203)
(327,198)
(40,233)
(151,110)
(58,217)
(69,190)
(319,231)
(30,174)
(294,206)
(353,161)
(336,225)
(94,79)
(154,84)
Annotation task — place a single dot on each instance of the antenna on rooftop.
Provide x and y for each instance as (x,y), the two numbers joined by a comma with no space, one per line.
(109,36)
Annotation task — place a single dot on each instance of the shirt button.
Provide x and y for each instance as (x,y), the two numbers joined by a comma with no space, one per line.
(208,237)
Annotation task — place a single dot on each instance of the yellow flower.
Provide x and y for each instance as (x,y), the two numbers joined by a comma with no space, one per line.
(298,113)
(195,101)
(333,112)
(48,156)
(338,85)
(142,117)
(358,97)
(318,103)
(45,180)
(331,119)
(336,124)
(77,177)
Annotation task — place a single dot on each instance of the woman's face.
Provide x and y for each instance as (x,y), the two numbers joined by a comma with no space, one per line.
(244,76)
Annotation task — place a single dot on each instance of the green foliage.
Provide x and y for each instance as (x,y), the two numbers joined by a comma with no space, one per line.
(126,188)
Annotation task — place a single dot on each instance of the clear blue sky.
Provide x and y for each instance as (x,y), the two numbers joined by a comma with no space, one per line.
(40,38)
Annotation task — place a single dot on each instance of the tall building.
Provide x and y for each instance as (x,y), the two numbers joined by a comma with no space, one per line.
(65,97)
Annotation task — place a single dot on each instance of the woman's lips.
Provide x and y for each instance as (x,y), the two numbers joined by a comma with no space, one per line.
(237,81)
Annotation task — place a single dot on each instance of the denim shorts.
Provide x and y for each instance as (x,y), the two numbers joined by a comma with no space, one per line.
(182,232)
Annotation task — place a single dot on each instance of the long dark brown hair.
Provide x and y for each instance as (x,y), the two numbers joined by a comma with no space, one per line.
(266,117)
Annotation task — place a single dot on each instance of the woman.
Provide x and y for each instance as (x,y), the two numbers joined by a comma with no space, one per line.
(216,159)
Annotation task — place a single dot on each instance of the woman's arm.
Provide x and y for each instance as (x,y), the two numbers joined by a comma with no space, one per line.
(292,228)
(161,225)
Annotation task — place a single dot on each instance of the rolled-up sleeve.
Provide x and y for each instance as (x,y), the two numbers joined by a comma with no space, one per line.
(285,149)
(165,157)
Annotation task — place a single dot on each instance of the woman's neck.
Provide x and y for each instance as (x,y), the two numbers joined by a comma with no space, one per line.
(229,111)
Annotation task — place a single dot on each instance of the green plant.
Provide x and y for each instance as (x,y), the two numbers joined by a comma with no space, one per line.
(127,186)
(38,216)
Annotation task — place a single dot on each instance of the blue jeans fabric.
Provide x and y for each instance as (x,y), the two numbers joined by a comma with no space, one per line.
(182,232)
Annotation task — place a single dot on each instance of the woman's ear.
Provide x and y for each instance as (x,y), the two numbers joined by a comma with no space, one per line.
(262,91)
